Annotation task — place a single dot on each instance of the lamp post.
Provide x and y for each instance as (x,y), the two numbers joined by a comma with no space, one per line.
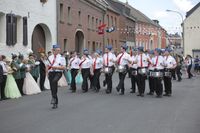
(182,23)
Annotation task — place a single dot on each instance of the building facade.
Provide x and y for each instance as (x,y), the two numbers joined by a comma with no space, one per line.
(78,22)
(192,32)
(27,25)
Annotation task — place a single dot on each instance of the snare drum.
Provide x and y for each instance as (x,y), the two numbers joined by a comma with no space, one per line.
(121,68)
(157,74)
(107,70)
(134,72)
(167,74)
(142,71)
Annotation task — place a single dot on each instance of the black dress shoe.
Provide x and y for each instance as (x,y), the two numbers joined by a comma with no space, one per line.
(118,89)
(108,91)
(167,95)
(138,95)
(54,106)
(142,95)
(84,91)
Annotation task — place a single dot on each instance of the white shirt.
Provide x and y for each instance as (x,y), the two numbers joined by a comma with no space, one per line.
(125,58)
(5,70)
(134,59)
(74,62)
(170,62)
(85,63)
(98,64)
(158,62)
(109,56)
(144,59)
(59,61)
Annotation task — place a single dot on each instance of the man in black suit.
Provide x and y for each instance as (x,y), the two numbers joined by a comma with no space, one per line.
(42,71)
(1,75)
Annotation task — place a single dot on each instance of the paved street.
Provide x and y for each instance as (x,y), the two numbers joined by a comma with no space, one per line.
(102,113)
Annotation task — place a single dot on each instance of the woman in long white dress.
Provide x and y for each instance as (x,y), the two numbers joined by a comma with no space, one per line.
(62,82)
(30,87)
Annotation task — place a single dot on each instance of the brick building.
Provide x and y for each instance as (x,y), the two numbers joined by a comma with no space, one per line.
(77,24)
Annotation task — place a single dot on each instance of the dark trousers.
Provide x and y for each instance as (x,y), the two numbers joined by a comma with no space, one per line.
(74,72)
(20,83)
(189,71)
(168,85)
(178,72)
(151,84)
(42,80)
(95,81)
(53,80)
(158,86)
(2,87)
(173,71)
(134,80)
(141,83)
(121,81)
(108,79)
(86,74)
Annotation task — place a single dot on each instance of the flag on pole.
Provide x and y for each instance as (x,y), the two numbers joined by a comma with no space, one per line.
(101,29)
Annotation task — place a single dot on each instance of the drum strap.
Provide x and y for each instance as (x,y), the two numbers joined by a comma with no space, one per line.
(71,61)
(141,60)
(120,58)
(82,62)
(156,61)
(107,60)
(94,65)
(52,62)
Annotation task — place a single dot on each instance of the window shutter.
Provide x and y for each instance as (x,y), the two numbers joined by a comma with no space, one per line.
(9,41)
(25,34)
(14,30)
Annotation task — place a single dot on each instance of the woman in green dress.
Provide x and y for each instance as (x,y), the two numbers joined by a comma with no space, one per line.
(11,89)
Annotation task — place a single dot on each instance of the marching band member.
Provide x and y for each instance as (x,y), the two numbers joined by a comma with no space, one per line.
(74,66)
(151,78)
(55,69)
(170,63)
(123,60)
(85,67)
(158,62)
(133,69)
(142,63)
(108,61)
(97,65)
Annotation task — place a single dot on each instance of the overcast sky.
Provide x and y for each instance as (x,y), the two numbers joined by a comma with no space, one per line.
(156,9)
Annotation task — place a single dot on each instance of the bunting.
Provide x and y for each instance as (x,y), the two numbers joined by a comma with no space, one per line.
(101,29)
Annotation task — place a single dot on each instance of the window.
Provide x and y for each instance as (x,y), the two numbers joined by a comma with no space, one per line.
(89,21)
(65,44)
(25,30)
(108,21)
(115,22)
(112,22)
(92,22)
(69,14)
(79,17)
(2,32)
(61,13)
(11,29)
(99,22)
(96,23)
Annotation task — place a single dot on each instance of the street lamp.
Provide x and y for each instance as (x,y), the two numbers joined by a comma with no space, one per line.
(182,23)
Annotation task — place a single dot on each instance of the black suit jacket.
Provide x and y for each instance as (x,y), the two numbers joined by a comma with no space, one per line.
(1,74)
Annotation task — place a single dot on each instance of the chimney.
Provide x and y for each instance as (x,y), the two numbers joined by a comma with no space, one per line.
(156,21)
